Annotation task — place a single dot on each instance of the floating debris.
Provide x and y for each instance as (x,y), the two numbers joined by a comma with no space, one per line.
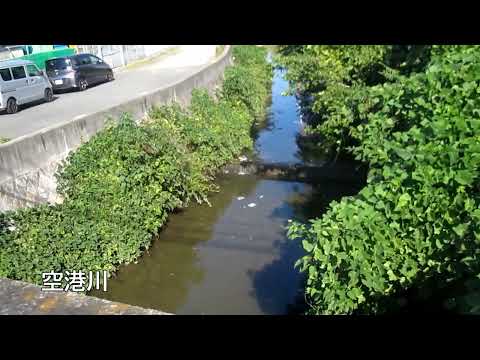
(240,197)
(260,197)
(252,205)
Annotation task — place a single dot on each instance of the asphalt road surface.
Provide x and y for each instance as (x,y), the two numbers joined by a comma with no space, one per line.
(127,85)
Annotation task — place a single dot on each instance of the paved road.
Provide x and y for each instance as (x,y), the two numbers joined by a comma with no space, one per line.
(127,85)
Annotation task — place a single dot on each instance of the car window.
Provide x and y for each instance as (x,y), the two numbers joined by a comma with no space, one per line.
(33,71)
(19,72)
(57,64)
(6,74)
(94,59)
(84,60)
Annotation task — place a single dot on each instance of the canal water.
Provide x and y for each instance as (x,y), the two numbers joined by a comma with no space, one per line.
(234,257)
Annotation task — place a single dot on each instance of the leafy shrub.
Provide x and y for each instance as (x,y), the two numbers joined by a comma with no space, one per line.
(418,216)
(215,131)
(118,189)
(249,55)
(338,77)
(249,81)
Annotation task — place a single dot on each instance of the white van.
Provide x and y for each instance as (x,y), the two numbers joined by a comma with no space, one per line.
(22,82)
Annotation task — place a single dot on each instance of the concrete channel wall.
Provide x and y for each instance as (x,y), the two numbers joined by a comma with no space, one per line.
(28,163)
(21,298)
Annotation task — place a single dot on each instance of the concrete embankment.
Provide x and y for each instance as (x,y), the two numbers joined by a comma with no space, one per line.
(20,298)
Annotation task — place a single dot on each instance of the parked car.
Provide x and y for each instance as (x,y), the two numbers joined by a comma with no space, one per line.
(22,82)
(77,71)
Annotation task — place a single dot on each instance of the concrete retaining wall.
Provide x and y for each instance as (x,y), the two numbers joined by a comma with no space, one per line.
(28,163)
(21,298)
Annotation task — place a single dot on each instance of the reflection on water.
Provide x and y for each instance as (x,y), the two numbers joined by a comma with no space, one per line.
(233,257)
(226,259)
(278,140)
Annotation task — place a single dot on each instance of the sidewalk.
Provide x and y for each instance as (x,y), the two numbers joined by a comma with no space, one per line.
(175,57)
(161,56)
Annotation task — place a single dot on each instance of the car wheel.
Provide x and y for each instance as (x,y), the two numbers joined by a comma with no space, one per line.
(82,84)
(110,76)
(12,106)
(48,95)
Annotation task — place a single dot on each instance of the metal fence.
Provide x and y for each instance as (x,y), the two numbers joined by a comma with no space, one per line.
(119,55)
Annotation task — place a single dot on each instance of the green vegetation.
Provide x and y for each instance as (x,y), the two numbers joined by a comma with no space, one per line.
(411,114)
(219,50)
(119,187)
(4,140)
(250,82)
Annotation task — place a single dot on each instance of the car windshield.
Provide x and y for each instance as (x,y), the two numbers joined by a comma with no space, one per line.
(58,64)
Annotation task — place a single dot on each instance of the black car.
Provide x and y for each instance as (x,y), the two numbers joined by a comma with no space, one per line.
(77,71)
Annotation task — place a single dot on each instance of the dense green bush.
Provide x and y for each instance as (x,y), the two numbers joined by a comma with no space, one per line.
(338,77)
(249,55)
(216,131)
(249,81)
(418,216)
(120,186)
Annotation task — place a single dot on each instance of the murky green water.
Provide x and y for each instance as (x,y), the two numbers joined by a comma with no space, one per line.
(233,257)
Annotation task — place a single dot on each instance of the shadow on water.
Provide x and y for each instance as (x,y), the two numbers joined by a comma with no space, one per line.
(279,279)
(278,286)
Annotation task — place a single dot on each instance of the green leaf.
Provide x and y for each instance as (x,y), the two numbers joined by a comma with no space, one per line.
(403,200)
(307,246)
(461,229)
(404,154)
(464,177)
